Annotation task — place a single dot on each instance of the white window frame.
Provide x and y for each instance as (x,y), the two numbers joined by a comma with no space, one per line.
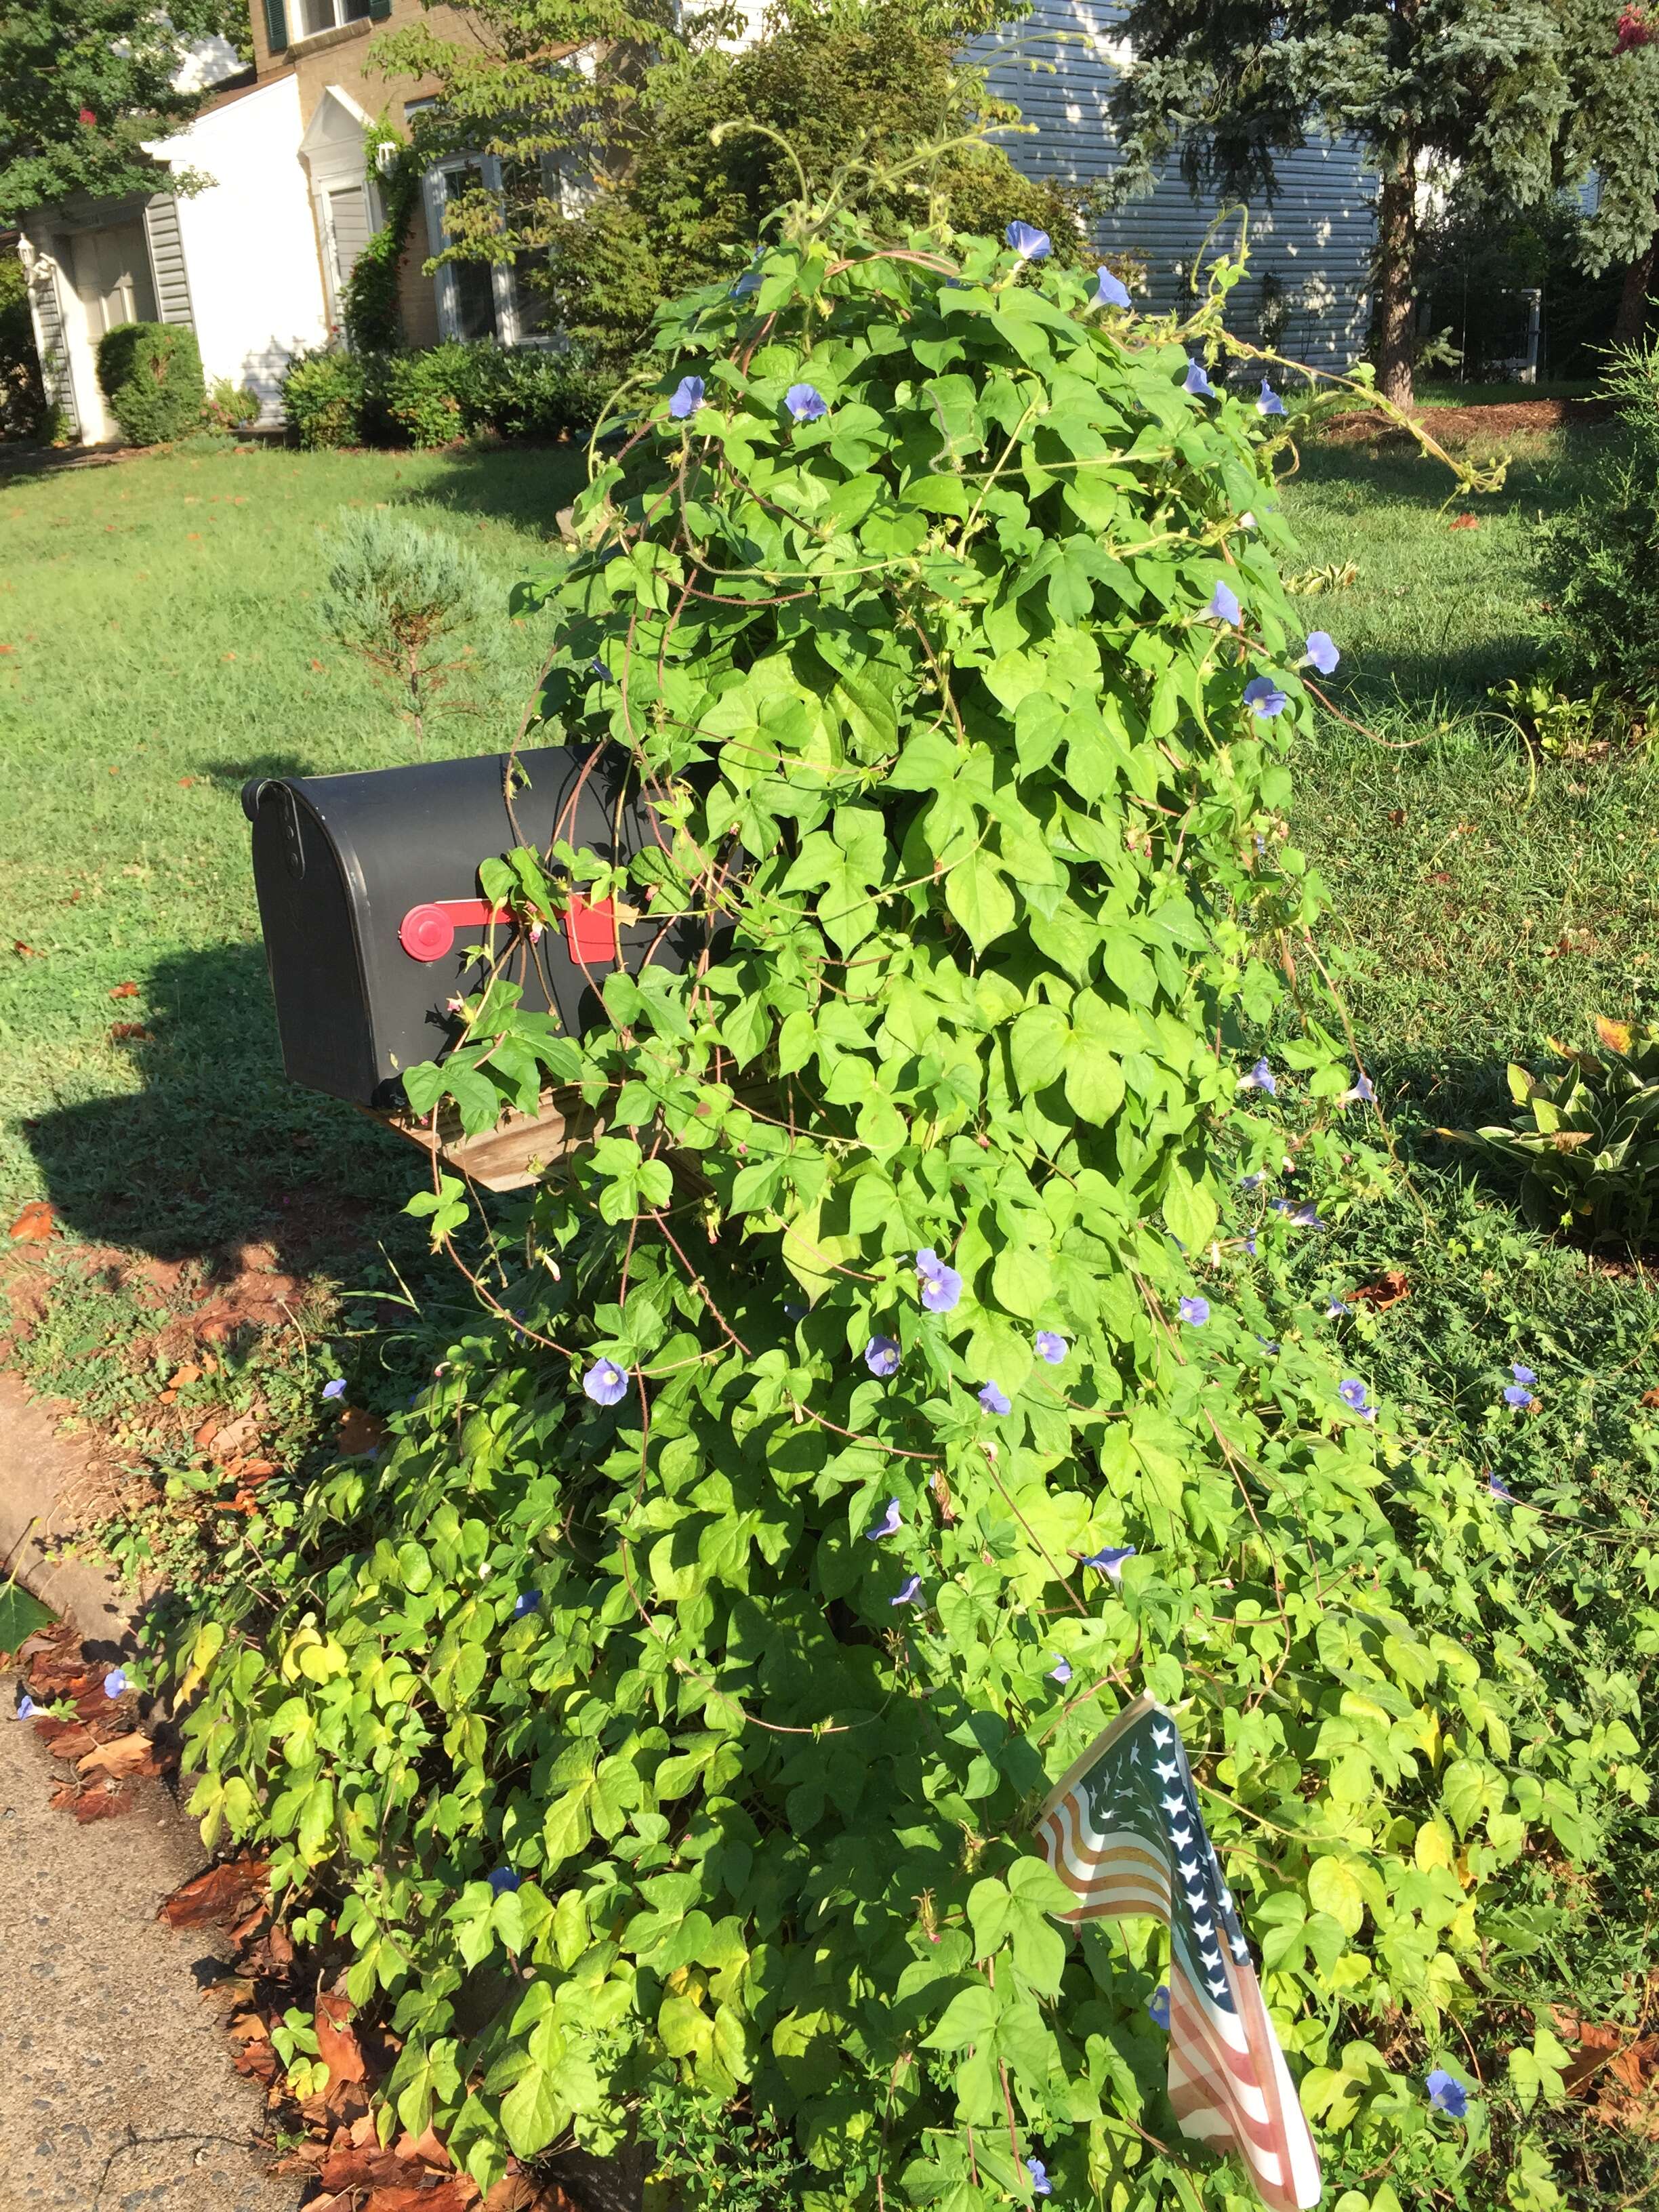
(509,325)
(334,8)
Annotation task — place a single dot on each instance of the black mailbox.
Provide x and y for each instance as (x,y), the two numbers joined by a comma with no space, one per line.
(369,898)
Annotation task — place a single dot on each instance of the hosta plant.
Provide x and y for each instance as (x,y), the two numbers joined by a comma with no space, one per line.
(889,1394)
(1587,1137)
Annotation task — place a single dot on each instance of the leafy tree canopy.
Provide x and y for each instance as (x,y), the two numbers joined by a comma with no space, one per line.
(1238,85)
(656,166)
(85,83)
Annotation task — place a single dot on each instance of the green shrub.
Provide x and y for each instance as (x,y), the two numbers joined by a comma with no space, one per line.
(441,394)
(413,604)
(324,397)
(1599,562)
(666,1712)
(232,407)
(1587,1142)
(24,409)
(541,393)
(151,375)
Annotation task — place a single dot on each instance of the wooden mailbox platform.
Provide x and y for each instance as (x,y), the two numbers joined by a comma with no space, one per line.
(515,1152)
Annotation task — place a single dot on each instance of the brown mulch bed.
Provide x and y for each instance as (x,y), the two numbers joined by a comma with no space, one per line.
(1463,426)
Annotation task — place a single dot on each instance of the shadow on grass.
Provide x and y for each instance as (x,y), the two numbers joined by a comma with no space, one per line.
(218,1145)
(232,775)
(526,485)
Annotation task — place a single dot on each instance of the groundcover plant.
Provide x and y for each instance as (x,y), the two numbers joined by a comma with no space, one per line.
(893,1390)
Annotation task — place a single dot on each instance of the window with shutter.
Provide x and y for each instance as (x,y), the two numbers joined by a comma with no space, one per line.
(276,26)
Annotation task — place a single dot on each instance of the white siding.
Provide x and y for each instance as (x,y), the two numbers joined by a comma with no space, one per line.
(250,247)
(1313,242)
(51,344)
(167,259)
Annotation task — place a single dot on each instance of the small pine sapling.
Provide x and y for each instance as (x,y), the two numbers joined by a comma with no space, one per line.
(412,603)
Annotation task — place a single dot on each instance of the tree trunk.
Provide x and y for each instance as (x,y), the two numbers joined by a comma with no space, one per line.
(1396,250)
(1632,317)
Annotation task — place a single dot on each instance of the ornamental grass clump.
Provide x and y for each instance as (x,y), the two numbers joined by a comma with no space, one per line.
(837,1402)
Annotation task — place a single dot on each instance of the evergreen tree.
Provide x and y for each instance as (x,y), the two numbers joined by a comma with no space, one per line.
(84,84)
(1238,84)
(1610,133)
(621,185)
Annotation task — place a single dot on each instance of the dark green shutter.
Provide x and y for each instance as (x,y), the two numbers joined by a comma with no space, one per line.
(276,26)
(379,10)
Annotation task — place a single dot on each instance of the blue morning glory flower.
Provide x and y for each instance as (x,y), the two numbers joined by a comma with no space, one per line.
(1359,1092)
(1261,1077)
(527,1602)
(1249,1246)
(881,1355)
(888,1525)
(1264,698)
(1267,401)
(1521,1373)
(1447,2093)
(605,1383)
(1029,243)
(1269,1344)
(941,1286)
(1110,291)
(1110,1560)
(1195,1312)
(1518,1395)
(1223,605)
(688,397)
(25,1705)
(1304,1216)
(1159,2006)
(1196,382)
(1322,652)
(1061,1671)
(114,1682)
(993,1399)
(1499,1489)
(748,282)
(1049,1346)
(1353,1395)
(1035,2172)
(504,1878)
(907,1595)
(1254,1182)
(805,402)
(336,1389)
(1336,1308)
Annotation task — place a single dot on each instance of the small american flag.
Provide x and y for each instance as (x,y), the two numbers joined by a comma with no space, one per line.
(1122,1831)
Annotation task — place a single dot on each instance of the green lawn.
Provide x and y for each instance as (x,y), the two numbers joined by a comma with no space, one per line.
(160,641)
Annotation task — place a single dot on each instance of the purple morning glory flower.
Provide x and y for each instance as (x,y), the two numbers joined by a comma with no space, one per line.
(504,1878)
(1261,1077)
(1521,1373)
(888,1525)
(1049,1346)
(881,1355)
(1254,1182)
(1195,1312)
(941,1286)
(1267,401)
(1500,1490)
(25,1705)
(993,1399)
(114,1682)
(1159,2006)
(1264,698)
(907,1595)
(1223,605)
(1029,243)
(1109,291)
(1336,1308)
(527,1602)
(1447,2093)
(1269,1344)
(1322,652)
(1110,1560)
(1036,2172)
(1518,1395)
(1196,382)
(1061,1671)
(1359,1093)
(336,1389)
(805,402)
(605,1383)
(688,397)
(1353,1395)
(1249,1246)
(1304,1216)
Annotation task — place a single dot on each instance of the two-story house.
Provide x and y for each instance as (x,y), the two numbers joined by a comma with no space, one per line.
(256,261)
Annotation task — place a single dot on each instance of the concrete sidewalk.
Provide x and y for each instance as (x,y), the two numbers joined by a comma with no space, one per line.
(117,2092)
